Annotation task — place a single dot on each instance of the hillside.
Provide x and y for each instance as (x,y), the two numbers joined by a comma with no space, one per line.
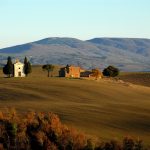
(127,54)
(104,108)
(139,78)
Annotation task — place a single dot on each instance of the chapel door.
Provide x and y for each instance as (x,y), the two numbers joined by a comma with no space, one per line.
(19,74)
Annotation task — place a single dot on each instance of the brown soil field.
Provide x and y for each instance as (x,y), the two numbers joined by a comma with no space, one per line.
(136,78)
(105,108)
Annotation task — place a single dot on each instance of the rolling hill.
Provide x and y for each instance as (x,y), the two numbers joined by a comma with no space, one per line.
(106,108)
(126,53)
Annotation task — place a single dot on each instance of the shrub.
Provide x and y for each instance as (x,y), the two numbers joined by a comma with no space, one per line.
(96,73)
(111,71)
(44,131)
(130,144)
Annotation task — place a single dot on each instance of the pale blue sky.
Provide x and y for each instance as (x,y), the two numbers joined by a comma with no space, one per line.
(23,21)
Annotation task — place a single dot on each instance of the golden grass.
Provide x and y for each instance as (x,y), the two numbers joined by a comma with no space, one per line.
(107,109)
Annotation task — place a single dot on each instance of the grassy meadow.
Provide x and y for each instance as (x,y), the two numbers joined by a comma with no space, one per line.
(107,109)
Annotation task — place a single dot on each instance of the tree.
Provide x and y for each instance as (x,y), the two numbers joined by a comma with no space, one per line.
(49,68)
(96,73)
(67,68)
(27,66)
(25,60)
(8,69)
(111,71)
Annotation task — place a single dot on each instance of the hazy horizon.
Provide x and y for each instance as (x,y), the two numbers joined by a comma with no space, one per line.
(34,40)
(31,20)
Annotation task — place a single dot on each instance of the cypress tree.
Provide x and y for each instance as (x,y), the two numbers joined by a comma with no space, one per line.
(25,60)
(8,68)
(27,66)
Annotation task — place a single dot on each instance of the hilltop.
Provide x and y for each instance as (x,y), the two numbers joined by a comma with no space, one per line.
(107,109)
(126,53)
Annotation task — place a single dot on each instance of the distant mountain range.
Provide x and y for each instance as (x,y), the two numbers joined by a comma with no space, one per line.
(129,54)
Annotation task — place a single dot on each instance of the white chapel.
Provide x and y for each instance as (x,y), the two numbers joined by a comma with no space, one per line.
(19,69)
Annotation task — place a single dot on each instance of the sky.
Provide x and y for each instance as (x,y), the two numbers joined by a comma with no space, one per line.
(23,21)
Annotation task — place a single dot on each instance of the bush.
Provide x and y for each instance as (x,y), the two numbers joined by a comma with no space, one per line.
(111,71)
(44,131)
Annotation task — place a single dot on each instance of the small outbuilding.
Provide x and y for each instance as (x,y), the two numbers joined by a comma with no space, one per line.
(19,69)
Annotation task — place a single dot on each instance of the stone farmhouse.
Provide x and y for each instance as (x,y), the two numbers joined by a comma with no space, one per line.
(77,72)
(19,69)
(70,71)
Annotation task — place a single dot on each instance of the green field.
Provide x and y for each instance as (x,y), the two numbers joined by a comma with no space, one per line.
(105,108)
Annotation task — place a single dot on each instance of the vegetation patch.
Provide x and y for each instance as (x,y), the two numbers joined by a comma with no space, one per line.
(44,131)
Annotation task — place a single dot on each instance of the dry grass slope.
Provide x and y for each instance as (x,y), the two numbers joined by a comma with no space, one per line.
(103,108)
